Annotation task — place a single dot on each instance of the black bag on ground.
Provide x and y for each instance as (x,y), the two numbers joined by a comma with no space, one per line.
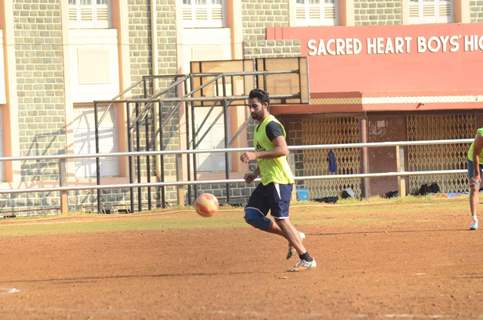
(423,190)
(347,193)
(434,188)
(327,199)
(391,194)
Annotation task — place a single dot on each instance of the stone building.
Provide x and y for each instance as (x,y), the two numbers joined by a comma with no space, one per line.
(58,56)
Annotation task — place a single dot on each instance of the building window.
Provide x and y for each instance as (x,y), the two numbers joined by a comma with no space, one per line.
(203,13)
(431,11)
(84,141)
(89,14)
(315,12)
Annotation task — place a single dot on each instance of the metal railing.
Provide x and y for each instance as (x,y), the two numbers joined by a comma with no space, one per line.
(98,186)
(191,91)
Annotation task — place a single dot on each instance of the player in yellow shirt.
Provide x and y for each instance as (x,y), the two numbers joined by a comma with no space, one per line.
(274,192)
(475,154)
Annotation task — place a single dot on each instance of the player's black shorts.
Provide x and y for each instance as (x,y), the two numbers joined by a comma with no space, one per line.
(471,170)
(274,197)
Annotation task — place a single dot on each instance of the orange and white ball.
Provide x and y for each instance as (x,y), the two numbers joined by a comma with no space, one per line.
(206,204)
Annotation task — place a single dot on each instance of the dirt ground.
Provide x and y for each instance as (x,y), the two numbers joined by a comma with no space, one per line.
(427,268)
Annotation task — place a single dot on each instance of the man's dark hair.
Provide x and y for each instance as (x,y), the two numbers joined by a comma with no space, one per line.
(261,95)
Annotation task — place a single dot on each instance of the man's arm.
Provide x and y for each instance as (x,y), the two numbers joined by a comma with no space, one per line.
(276,134)
(250,176)
(280,149)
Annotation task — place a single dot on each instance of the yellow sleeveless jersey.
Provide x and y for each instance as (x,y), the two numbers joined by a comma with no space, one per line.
(479,132)
(276,170)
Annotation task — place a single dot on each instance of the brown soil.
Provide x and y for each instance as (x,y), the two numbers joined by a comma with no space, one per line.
(412,270)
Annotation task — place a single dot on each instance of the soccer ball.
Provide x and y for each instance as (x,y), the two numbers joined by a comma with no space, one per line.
(206,204)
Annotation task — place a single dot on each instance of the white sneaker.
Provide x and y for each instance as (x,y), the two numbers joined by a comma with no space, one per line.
(303,265)
(474,225)
(290,248)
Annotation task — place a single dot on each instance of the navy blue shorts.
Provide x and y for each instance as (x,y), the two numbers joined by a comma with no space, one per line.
(471,169)
(274,197)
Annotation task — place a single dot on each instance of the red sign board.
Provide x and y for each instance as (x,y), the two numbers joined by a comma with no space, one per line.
(392,61)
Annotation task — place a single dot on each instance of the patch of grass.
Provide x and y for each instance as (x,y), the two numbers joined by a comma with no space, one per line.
(351,212)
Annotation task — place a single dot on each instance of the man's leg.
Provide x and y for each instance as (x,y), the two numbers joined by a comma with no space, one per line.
(256,218)
(291,234)
(281,195)
(474,191)
(256,211)
(306,261)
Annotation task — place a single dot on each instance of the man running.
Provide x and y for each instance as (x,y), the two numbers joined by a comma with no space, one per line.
(275,190)
(475,154)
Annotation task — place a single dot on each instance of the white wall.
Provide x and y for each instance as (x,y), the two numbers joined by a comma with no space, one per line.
(93,64)
(203,45)
(84,142)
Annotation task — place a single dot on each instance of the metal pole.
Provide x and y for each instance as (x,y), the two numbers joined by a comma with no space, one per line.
(98,165)
(365,158)
(400,167)
(138,159)
(300,79)
(227,159)
(217,93)
(255,63)
(161,147)
(264,76)
(193,131)
(203,123)
(244,149)
(225,127)
(148,161)
(145,88)
(177,183)
(154,134)
(64,201)
(188,156)
(129,148)
(193,127)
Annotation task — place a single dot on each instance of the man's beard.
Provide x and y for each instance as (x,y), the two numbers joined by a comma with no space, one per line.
(255,116)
